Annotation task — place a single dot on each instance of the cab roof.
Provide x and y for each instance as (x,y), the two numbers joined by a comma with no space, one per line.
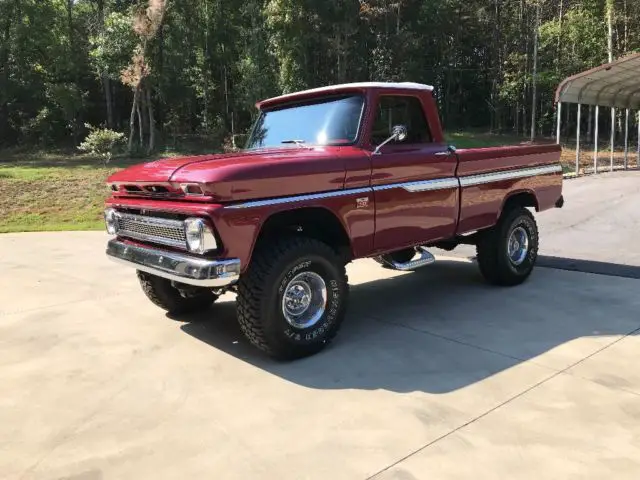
(343,87)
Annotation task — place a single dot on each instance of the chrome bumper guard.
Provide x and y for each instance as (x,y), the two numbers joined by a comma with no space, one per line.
(176,266)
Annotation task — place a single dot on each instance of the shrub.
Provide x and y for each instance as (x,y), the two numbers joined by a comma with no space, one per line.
(102,142)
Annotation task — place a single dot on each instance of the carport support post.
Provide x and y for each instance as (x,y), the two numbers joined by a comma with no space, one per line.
(578,141)
(558,119)
(595,142)
(613,135)
(626,137)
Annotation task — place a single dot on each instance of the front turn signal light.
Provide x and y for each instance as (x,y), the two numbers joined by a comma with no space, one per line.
(111,221)
(200,237)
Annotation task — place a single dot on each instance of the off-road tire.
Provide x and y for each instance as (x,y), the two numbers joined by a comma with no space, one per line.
(163,294)
(492,249)
(262,286)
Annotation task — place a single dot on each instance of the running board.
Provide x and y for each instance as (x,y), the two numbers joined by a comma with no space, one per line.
(426,258)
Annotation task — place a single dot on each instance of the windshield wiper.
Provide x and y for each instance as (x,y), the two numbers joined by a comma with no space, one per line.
(299,143)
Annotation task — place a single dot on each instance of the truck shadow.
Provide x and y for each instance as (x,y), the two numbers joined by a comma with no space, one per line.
(442,328)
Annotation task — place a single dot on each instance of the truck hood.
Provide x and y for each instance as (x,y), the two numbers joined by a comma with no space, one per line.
(247,175)
(162,170)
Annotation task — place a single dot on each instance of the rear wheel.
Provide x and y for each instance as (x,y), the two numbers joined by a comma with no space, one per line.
(507,253)
(173,297)
(292,298)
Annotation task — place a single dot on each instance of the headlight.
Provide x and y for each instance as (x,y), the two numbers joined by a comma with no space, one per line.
(200,238)
(111,221)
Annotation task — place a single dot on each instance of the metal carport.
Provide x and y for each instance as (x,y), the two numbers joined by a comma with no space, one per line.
(612,85)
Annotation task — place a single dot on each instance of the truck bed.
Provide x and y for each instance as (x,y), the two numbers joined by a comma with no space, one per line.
(490,176)
(474,161)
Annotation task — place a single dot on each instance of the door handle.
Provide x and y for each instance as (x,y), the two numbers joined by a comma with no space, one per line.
(450,149)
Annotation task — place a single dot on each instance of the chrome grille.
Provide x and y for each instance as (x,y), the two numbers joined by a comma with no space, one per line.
(152,229)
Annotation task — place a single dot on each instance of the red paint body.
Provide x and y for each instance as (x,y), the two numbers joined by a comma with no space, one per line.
(391,219)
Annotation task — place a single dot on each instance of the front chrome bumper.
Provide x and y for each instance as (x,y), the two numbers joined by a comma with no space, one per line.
(176,266)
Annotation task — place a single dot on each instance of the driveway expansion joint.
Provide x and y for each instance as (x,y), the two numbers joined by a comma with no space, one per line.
(507,401)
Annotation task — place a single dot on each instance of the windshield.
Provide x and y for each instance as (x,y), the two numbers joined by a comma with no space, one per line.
(330,121)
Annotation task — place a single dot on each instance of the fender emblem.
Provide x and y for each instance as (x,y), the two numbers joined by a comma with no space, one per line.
(362,202)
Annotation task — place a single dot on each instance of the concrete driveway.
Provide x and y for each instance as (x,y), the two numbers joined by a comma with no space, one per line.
(435,374)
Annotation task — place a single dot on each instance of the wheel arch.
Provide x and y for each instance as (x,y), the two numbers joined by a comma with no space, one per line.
(314,221)
(521,198)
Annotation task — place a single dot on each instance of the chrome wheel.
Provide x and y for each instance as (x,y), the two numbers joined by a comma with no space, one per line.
(518,246)
(304,300)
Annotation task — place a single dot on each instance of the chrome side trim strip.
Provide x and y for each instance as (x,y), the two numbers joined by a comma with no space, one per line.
(300,198)
(480,179)
(423,185)
(413,187)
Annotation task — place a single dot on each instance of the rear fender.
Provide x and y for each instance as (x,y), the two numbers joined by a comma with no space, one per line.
(522,198)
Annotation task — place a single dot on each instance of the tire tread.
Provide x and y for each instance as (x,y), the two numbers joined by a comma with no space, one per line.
(164,295)
(253,286)
(489,255)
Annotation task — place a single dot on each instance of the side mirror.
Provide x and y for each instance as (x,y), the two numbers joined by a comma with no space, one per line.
(398,133)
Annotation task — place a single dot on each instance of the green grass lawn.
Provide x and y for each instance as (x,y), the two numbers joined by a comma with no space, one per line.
(51,191)
(480,140)
(64,190)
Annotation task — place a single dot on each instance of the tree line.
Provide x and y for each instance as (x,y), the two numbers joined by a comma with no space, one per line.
(160,69)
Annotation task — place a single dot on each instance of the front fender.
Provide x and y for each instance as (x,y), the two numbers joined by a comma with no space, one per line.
(240,225)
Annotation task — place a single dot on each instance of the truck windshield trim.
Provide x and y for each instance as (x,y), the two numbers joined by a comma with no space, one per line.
(331,120)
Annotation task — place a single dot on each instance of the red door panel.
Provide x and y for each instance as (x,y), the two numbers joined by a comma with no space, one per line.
(416,195)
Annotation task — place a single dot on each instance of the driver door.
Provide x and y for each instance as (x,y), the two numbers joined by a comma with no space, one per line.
(414,184)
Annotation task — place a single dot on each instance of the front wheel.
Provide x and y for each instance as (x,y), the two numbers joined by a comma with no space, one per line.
(175,298)
(507,252)
(292,298)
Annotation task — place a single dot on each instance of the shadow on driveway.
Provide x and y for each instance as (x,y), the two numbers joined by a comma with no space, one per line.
(442,328)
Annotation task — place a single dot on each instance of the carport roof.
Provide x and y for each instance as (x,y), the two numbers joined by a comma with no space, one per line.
(615,84)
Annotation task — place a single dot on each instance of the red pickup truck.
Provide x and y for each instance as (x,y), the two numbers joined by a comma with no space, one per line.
(328,175)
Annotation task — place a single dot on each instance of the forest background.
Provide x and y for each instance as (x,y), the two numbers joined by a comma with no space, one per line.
(166,77)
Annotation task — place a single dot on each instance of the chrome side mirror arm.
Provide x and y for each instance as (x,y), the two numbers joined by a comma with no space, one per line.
(399,133)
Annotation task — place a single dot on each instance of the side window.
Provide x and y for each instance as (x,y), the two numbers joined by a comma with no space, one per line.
(400,110)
